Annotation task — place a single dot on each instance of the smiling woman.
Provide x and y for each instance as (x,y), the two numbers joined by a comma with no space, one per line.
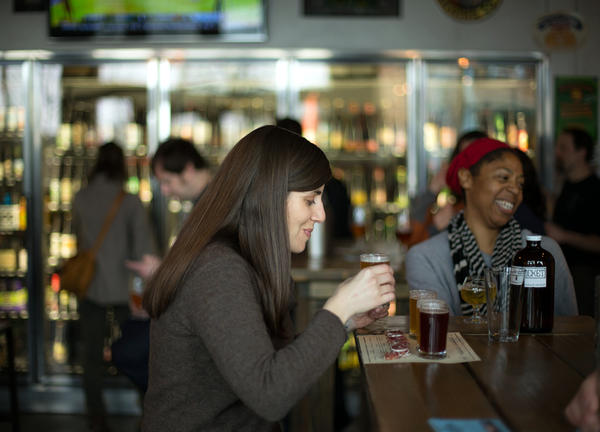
(489,175)
(304,210)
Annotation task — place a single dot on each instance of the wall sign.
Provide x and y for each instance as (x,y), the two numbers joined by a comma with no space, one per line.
(469,10)
(560,31)
(357,8)
(577,104)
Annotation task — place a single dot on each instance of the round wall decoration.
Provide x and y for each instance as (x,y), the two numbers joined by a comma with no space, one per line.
(469,10)
(561,30)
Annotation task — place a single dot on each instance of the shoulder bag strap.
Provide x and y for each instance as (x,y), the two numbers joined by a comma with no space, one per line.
(108,222)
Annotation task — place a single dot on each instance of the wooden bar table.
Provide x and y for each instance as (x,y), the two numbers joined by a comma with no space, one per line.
(526,384)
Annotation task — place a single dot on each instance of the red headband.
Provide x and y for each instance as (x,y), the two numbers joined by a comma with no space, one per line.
(469,157)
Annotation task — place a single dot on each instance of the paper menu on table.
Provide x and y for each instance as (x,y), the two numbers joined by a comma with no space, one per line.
(373,348)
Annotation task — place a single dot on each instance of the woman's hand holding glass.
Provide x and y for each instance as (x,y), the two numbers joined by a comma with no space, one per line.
(361,296)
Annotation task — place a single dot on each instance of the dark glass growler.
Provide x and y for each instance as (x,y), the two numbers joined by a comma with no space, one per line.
(538,288)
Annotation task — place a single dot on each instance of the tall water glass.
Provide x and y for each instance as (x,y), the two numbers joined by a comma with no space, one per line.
(504,295)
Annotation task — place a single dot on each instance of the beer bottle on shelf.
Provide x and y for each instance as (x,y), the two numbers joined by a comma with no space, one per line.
(538,296)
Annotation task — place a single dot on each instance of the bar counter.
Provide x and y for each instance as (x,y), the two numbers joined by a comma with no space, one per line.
(526,384)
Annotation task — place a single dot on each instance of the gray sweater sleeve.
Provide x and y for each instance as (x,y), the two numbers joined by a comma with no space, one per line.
(429,266)
(223,309)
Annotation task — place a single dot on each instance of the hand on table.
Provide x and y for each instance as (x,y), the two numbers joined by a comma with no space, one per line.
(582,411)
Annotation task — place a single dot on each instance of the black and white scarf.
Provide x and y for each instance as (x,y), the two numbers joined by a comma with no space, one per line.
(467,258)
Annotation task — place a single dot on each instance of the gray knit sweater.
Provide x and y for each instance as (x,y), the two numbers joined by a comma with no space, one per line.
(213,364)
(429,266)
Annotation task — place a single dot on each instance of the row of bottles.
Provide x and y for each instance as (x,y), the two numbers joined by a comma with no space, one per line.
(12,121)
(512,127)
(60,304)
(69,174)
(379,200)
(13,257)
(340,126)
(219,126)
(13,298)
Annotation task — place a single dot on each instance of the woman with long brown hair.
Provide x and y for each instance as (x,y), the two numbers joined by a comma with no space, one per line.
(222,350)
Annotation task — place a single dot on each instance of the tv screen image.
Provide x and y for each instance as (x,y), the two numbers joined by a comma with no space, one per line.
(156,17)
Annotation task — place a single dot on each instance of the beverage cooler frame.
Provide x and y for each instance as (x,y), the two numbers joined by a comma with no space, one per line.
(288,103)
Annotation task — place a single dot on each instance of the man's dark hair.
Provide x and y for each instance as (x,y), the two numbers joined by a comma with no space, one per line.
(582,140)
(175,153)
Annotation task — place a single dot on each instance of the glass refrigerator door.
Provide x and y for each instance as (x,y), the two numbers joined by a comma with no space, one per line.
(86,105)
(357,113)
(214,104)
(496,97)
(13,212)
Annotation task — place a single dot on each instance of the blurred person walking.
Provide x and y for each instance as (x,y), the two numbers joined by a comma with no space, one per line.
(129,237)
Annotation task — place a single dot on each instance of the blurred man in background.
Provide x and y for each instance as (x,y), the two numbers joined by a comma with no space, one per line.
(575,221)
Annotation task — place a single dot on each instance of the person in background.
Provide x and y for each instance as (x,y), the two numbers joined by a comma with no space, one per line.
(427,218)
(180,169)
(575,221)
(490,177)
(182,173)
(129,237)
(582,410)
(531,214)
(335,198)
(223,355)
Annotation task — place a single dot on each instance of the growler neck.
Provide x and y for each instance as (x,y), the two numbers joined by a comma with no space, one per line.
(534,240)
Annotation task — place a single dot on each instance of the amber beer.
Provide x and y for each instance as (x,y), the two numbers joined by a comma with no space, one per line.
(433,332)
(371,259)
(413,314)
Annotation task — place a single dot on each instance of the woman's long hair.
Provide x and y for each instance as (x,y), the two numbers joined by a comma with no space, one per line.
(110,162)
(246,201)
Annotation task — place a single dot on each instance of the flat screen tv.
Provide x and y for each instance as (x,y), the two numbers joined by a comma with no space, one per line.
(235,20)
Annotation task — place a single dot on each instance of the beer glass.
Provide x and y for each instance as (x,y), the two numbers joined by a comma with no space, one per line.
(413,314)
(371,259)
(504,292)
(473,292)
(433,327)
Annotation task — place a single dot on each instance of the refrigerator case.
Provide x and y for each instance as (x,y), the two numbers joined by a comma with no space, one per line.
(497,97)
(13,212)
(357,112)
(214,104)
(87,105)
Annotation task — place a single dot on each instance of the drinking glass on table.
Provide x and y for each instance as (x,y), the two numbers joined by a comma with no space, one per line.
(371,259)
(434,315)
(414,296)
(473,292)
(504,294)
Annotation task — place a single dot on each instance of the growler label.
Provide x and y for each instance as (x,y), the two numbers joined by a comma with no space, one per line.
(535,277)
(516,277)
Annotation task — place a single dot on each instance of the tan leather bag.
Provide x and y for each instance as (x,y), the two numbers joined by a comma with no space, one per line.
(77,272)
